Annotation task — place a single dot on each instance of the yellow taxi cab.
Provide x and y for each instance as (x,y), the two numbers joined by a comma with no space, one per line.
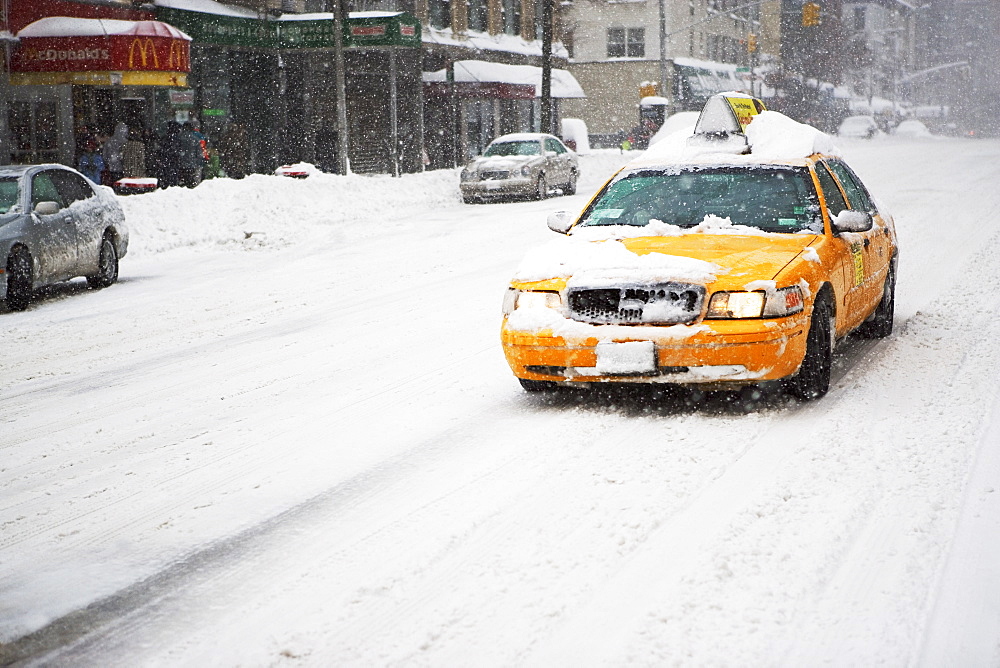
(733,257)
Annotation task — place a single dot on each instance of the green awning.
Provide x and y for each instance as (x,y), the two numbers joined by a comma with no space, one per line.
(305,31)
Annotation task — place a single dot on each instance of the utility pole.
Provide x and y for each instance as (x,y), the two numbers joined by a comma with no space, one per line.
(662,88)
(343,161)
(546,124)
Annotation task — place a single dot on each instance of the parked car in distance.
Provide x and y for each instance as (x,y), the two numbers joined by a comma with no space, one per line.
(863,127)
(56,225)
(911,128)
(520,165)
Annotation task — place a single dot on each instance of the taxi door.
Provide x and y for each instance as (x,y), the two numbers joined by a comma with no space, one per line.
(850,248)
(876,242)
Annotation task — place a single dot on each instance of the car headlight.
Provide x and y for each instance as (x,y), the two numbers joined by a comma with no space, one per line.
(756,304)
(468,174)
(526,170)
(736,305)
(516,299)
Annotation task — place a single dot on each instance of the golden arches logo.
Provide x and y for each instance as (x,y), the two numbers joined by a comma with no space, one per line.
(178,61)
(145,48)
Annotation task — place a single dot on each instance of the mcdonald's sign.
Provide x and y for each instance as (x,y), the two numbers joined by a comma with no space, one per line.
(146,50)
(150,47)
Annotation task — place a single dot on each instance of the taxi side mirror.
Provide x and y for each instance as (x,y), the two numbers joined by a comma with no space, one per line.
(46,208)
(850,220)
(560,221)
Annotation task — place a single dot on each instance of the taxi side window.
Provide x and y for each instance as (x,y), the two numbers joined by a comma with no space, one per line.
(831,192)
(44,190)
(856,193)
(73,188)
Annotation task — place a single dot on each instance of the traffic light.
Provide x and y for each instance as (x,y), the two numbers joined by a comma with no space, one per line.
(751,43)
(810,14)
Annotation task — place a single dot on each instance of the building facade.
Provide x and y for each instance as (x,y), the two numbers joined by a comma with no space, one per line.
(617,54)
(268,67)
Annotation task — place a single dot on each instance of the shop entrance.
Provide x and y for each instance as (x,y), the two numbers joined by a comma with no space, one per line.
(33,127)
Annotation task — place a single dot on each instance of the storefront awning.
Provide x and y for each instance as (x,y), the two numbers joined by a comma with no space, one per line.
(502,80)
(60,50)
(211,22)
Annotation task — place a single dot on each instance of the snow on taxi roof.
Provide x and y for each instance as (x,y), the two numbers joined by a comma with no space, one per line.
(770,136)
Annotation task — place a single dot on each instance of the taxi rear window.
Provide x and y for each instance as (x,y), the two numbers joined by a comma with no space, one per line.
(771,198)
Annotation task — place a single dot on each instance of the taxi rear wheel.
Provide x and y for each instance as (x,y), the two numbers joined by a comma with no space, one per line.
(880,325)
(813,379)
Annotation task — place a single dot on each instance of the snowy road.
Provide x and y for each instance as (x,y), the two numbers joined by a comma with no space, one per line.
(302,446)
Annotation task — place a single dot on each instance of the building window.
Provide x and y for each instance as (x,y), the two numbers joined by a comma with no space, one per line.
(439,13)
(859,19)
(626,42)
(478,15)
(512,17)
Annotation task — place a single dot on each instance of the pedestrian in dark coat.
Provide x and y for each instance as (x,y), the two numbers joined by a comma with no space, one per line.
(90,163)
(190,158)
(233,151)
(168,171)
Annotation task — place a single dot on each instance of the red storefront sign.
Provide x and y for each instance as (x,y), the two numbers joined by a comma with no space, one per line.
(368,31)
(53,48)
(113,52)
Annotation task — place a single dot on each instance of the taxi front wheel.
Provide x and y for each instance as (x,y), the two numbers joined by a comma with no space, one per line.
(813,379)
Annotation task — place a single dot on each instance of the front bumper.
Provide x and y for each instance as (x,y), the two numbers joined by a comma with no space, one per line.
(719,353)
(497,188)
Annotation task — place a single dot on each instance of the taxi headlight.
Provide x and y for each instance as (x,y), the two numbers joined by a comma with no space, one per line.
(516,299)
(736,305)
(757,304)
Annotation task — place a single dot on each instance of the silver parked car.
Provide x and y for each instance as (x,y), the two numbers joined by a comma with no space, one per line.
(56,225)
(523,164)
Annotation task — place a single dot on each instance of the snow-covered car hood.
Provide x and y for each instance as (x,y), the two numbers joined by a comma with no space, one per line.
(728,261)
(499,163)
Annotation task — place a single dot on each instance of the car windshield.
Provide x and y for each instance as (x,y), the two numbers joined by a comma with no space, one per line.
(8,193)
(771,199)
(506,148)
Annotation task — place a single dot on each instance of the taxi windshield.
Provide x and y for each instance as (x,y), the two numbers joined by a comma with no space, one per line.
(771,199)
(512,148)
(8,193)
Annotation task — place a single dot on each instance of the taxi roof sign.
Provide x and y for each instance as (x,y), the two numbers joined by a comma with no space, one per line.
(728,112)
(724,120)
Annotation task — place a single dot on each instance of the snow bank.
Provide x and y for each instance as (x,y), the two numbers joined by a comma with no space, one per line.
(263,212)
(267,211)
(575,130)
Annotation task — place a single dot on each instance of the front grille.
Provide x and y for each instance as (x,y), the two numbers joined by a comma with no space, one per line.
(658,304)
(499,175)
